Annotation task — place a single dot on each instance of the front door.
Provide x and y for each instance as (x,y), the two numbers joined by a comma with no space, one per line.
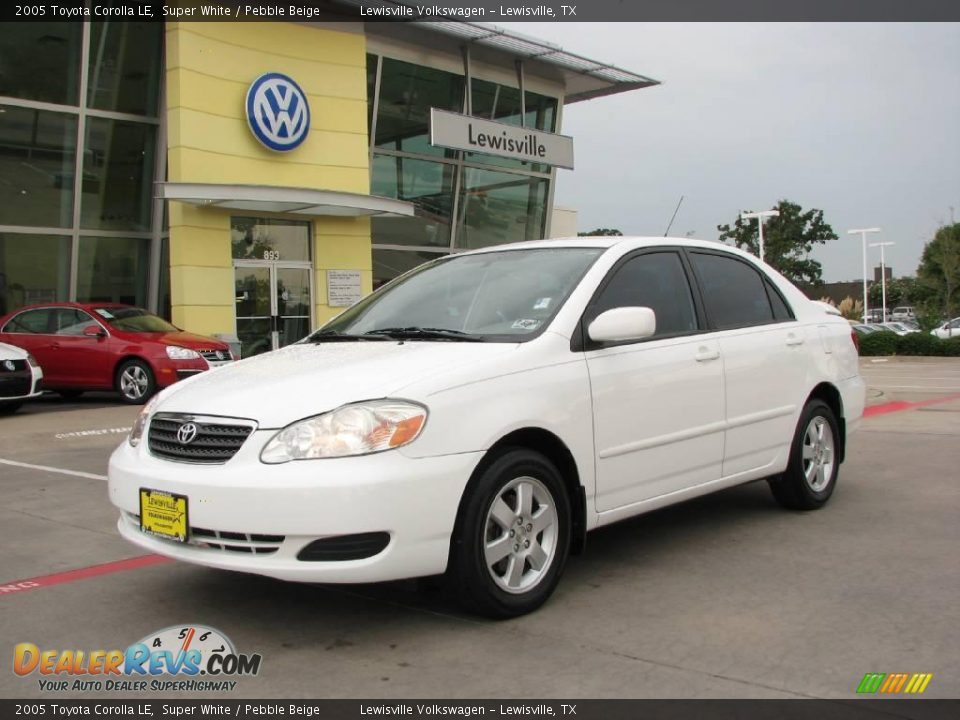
(272,279)
(272,304)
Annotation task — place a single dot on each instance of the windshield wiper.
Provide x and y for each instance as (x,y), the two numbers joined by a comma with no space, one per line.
(335,336)
(425,333)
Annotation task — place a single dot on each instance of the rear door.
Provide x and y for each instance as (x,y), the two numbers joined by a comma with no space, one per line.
(657,403)
(766,359)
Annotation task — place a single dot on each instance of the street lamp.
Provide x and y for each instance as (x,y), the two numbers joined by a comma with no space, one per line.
(863,236)
(883,275)
(760,217)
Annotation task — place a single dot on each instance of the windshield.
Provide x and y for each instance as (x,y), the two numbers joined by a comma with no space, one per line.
(506,296)
(134,320)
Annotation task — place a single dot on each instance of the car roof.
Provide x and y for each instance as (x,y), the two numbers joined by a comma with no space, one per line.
(604,241)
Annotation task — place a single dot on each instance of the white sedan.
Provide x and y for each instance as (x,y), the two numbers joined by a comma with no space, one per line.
(20,378)
(949,329)
(481,414)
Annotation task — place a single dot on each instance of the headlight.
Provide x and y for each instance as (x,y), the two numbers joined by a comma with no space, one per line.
(181,353)
(140,424)
(32,361)
(359,429)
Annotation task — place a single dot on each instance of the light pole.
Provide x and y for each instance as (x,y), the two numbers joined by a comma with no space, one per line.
(760,217)
(883,275)
(863,236)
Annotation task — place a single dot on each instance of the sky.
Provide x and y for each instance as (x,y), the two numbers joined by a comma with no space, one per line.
(860,120)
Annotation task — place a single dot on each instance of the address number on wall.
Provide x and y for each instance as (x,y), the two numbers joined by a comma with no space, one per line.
(271,254)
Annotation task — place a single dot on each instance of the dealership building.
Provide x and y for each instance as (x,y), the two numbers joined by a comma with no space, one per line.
(250,179)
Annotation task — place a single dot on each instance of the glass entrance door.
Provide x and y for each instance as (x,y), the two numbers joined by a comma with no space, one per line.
(272,305)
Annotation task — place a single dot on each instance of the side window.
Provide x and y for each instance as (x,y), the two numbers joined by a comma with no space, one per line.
(30,321)
(781,313)
(71,321)
(656,281)
(733,292)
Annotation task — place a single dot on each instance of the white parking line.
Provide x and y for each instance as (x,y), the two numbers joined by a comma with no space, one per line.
(46,468)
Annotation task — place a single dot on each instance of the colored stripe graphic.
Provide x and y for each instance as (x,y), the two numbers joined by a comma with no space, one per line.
(894,683)
(19,586)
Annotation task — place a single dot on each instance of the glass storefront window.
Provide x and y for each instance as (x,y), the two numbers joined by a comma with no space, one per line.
(499,207)
(41,61)
(113,270)
(37,165)
(117,175)
(428,185)
(407,92)
(124,67)
(164,308)
(253,238)
(33,269)
(388,264)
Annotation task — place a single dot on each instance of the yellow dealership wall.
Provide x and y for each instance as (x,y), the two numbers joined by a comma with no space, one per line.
(209,68)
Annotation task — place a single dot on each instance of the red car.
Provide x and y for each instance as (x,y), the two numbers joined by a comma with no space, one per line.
(104,346)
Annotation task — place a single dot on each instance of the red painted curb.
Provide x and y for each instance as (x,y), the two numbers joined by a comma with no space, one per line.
(899,405)
(19,586)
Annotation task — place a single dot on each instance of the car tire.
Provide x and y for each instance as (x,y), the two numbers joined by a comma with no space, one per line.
(69,394)
(135,382)
(811,474)
(514,517)
(9,408)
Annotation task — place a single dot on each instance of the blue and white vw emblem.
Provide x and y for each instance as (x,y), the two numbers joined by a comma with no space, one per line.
(277,112)
(186,433)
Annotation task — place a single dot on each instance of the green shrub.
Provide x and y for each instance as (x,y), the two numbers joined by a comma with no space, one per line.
(883,342)
(950,347)
(919,343)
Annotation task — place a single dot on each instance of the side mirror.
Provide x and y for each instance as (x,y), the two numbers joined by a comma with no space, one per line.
(623,323)
(94,331)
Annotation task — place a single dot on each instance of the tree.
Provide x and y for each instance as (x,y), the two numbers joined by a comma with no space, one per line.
(787,240)
(939,270)
(602,232)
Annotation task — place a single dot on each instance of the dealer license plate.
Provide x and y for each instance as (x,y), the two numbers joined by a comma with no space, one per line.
(163,514)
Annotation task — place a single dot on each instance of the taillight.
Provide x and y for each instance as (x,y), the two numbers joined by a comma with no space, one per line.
(856,340)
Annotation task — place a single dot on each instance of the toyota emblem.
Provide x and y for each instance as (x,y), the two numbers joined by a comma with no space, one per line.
(186,433)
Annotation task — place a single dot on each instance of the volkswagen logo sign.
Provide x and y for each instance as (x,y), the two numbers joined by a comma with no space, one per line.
(8,364)
(186,433)
(277,112)
(220,355)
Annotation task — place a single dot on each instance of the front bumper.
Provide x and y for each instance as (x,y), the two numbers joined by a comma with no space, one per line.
(271,512)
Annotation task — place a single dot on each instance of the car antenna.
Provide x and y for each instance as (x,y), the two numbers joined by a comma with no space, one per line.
(674,217)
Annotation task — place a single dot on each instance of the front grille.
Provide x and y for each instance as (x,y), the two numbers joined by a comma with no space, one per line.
(214,355)
(14,386)
(249,543)
(216,441)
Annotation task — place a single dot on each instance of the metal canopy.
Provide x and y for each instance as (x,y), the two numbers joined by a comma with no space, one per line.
(291,200)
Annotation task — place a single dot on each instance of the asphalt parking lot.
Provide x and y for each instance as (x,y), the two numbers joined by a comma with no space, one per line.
(725,596)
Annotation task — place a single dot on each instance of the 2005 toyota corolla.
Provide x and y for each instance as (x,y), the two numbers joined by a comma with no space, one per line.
(480,414)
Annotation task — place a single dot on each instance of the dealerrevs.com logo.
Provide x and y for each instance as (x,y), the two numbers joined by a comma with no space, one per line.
(187,658)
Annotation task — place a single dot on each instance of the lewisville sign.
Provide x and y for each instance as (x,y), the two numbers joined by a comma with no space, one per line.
(473,134)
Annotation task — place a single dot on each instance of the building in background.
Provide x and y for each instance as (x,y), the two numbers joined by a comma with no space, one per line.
(252,179)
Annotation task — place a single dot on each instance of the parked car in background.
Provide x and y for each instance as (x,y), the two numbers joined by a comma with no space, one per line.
(862,329)
(875,315)
(949,329)
(103,346)
(904,312)
(21,378)
(898,328)
(481,413)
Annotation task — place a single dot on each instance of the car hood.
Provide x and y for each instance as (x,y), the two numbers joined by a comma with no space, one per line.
(12,352)
(298,381)
(180,338)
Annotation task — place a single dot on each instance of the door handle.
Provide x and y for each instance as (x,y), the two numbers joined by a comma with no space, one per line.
(705,354)
(794,340)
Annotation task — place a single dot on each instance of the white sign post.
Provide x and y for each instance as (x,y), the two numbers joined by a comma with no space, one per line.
(343,287)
